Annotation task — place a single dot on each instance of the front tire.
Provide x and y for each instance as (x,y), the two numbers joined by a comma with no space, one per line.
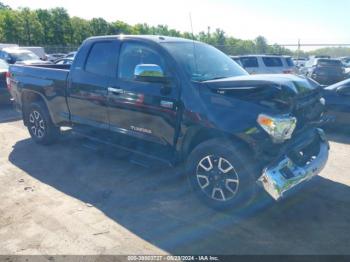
(40,126)
(221,175)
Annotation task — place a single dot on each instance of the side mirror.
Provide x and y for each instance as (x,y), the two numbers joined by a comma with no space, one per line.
(149,73)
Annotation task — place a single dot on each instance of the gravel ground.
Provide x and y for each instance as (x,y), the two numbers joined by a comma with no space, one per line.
(78,198)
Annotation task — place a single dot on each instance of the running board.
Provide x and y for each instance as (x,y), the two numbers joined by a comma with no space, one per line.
(143,159)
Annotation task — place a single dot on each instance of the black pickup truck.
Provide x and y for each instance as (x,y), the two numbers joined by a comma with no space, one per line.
(181,101)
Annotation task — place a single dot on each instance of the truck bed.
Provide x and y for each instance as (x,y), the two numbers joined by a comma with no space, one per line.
(48,81)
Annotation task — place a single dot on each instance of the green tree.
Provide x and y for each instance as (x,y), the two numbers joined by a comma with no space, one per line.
(50,27)
(119,27)
(141,29)
(3,6)
(60,26)
(218,37)
(11,28)
(32,28)
(99,26)
(261,45)
(81,30)
(45,19)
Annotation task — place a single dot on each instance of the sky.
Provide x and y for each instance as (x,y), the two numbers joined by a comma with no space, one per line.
(280,21)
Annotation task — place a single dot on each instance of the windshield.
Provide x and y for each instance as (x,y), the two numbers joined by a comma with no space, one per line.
(3,65)
(203,62)
(24,56)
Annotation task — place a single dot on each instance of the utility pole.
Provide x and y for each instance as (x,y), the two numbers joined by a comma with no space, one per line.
(298,48)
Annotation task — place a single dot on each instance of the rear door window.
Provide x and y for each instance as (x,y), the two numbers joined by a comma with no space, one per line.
(249,62)
(102,59)
(289,61)
(272,61)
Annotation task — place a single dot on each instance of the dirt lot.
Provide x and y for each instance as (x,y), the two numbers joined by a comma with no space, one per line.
(75,198)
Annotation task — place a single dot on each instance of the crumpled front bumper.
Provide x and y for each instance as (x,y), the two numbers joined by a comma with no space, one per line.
(275,181)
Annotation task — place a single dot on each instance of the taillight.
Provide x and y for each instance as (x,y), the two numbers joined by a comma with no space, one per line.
(8,81)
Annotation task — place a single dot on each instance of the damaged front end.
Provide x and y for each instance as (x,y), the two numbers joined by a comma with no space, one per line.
(300,164)
(287,144)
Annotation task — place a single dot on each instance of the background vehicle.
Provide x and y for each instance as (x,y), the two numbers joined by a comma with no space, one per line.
(320,56)
(337,99)
(54,57)
(71,55)
(324,71)
(4,93)
(178,101)
(15,55)
(346,63)
(38,50)
(266,64)
(2,46)
(299,62)
(64,61)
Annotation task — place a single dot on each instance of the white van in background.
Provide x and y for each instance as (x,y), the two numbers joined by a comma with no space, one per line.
(266,64)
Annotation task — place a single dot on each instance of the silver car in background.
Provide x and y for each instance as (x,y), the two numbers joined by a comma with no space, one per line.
(266,64)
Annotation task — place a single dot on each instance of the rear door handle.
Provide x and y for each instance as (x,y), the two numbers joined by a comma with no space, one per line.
(116,91)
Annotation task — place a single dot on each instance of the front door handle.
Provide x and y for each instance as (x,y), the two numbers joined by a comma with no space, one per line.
(116,91)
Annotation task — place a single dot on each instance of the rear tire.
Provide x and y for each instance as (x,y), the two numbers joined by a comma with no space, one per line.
(40,125)
(221,175)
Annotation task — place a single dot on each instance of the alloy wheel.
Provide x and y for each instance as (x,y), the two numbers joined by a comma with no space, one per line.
(217,178)
(37,124)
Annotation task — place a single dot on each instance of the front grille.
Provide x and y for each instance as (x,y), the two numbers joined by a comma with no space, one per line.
(301,156)
(308,109)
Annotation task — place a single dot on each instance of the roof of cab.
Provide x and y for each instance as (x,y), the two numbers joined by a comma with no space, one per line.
(153,38)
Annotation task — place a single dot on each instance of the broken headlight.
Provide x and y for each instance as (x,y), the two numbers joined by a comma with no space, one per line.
(280,128)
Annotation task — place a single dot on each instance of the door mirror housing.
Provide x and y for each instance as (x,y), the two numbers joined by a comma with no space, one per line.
(149,73)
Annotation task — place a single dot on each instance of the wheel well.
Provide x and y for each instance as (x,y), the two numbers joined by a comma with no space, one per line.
(28,98)
(197,137)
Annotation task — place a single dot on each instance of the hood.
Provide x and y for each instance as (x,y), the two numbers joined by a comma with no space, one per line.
(291,84)
(276,91)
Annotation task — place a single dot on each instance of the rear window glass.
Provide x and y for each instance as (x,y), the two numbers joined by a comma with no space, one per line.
(102,59)
(327,62)
(289,61)
(272,61)
(249,61)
